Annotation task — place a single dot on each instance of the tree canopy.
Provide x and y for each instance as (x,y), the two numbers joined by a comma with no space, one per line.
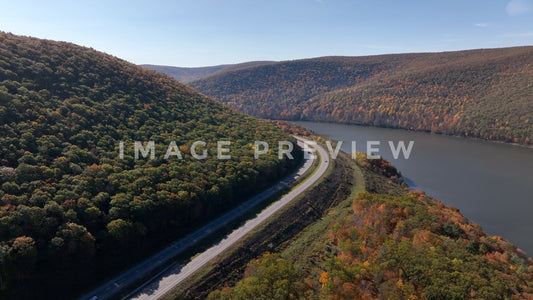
(68,203)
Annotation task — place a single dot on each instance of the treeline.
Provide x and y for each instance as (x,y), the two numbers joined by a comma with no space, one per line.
(72,211)
(479,93)
(405,246)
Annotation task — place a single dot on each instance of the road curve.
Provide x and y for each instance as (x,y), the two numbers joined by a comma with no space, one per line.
(171,276)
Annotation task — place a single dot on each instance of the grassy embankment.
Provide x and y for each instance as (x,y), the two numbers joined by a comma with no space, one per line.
(342,181)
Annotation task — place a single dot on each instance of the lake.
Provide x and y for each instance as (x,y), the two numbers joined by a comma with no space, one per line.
(491,183)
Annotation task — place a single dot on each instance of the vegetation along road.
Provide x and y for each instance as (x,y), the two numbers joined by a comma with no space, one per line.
(165,280)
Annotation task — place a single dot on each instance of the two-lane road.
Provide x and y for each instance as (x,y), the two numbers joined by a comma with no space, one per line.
(163,283)
(174,274)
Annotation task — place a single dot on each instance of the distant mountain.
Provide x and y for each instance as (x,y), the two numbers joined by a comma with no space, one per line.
(72,211)
(187,75)
(479,93)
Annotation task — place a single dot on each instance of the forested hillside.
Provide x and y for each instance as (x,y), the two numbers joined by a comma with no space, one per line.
(72,211)
(402,245)
(480,93)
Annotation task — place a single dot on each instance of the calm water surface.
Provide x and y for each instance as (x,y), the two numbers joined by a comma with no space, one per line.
(492,184)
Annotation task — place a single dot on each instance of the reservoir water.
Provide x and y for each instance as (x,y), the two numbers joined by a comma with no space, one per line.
(490,183)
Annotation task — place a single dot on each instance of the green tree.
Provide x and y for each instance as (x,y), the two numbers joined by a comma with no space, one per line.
(73,244)
(23,255)
(121,230)
(269,277)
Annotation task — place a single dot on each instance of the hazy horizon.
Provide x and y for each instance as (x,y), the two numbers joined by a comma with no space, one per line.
(304,58)
(210,33)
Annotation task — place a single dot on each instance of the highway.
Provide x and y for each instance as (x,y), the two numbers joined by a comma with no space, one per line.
(173,274)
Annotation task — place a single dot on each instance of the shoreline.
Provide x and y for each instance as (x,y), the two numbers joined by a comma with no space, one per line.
(413,130)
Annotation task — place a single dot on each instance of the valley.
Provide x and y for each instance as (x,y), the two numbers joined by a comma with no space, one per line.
(117,176)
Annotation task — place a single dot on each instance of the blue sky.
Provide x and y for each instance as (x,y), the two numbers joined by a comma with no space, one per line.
(209,32)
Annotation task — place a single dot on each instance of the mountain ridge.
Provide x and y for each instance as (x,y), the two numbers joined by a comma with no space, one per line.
(72,207)
(482,93)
